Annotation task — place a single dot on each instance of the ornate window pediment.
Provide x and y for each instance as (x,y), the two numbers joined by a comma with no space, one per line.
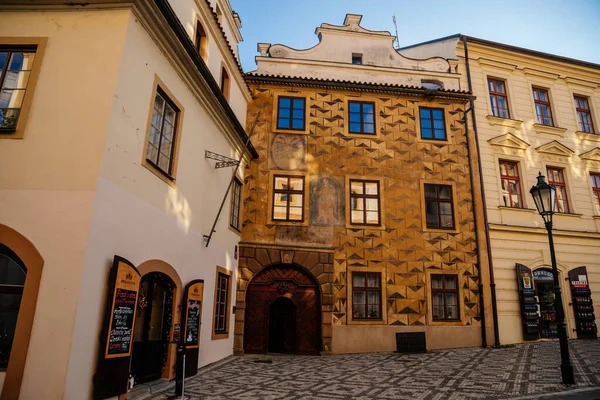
(508,140)
(592,155)
(555,148)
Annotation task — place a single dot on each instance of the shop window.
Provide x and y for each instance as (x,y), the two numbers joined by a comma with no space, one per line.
(163,132)
(543,108)
(444,298)
(584,114)
(556,177)
(439,207)
(432,123)
(511,184)
(596,191)
(225,83)
(288,198)
(236,194)
(221,307)
(291,113)
(498,98)
(365,204)
(16,65)
(366,295)
(12,282)
(362,117)
(201,42)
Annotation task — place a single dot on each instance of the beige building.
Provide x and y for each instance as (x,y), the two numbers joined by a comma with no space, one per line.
(535,112)
(360,218)
(106,113)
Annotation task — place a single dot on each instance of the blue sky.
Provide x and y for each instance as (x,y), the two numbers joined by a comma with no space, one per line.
(566,28)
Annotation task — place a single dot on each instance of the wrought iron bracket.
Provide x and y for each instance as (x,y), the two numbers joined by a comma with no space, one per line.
(222,161)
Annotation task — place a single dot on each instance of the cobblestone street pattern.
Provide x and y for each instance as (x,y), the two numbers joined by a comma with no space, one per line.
(476,373)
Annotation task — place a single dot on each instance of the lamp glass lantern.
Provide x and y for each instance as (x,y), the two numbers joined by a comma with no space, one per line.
(544,196)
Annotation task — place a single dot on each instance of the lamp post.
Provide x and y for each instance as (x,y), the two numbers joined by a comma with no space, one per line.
(544,196)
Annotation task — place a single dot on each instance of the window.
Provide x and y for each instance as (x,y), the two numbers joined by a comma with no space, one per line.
(584,114)
(438,205)
(498,98)
(225,83)
(543,110)
(366,295)
(288,198)
(221,298)
(356,58)
(236,194)
(511,184)
(15,69)
(556,177)
(364,202)
(291,112)
(163,128)
(432,123)
(201,41)
(12,282)
(444,297)
(362,117)
(596,190)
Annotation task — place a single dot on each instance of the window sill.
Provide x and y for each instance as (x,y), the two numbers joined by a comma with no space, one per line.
(568,215)
(352,321)
(517,209)
(219,336)
(234,230)
(289,223)
(507,122)
(11,134)
(450,322)
(594,137)
(293,131)
(551,130)
(440,230)
(433,141)
(373,227)
(163,177)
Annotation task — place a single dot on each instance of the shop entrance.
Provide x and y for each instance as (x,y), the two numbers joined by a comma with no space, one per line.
(282,326)
(152,326)
(544,285)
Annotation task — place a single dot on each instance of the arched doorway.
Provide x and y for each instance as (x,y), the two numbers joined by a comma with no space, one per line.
(283,312)
(152,328)
(544,285)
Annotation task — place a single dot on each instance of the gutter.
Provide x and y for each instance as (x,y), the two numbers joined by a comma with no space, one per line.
(485,217)
(174,23)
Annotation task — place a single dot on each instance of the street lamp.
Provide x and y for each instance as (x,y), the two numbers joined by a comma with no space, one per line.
(544,196)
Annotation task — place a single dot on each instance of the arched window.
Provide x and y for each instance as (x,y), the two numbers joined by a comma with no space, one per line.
(225,83)
(201,42)
(12,281)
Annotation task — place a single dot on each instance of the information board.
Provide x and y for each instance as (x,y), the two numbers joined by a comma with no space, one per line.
(122,315)
(193,315)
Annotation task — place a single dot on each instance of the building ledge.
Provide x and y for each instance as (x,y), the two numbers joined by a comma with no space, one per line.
(572,215)
(517,209)
(507,122)
(551,130)
(594,137)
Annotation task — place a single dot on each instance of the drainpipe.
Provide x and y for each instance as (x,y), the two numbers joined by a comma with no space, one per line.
(485,218)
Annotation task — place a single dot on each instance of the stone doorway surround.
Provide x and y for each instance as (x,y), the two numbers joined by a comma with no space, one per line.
(256,257)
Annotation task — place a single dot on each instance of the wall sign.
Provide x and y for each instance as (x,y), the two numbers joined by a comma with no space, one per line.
(192,315)
(122,315)
(543,275)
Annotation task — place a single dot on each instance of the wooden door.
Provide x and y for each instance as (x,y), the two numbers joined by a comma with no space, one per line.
(301,334)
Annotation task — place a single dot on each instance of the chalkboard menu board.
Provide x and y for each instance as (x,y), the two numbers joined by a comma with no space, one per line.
(193,314)
(122,315)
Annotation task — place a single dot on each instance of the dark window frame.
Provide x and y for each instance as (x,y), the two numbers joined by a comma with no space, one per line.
(169,174)
(541,103)
(367,289)
(291,118)
(357,58)
(355,196)
(288,193)
(236,197)
(225,84)
(581,112)
(439,200)
(595,177)
(496,110)
(201,41)
(221,303)
(362,122)
(517,179)
(432,119)
(10,49)
(559,184)
(444,291)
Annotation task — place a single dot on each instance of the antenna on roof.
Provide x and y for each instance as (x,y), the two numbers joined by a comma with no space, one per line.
(396,41)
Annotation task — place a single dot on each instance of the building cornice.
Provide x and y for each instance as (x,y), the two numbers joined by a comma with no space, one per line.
(542,231)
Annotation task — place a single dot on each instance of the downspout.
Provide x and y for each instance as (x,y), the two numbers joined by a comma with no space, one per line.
(472,179)
(485,218)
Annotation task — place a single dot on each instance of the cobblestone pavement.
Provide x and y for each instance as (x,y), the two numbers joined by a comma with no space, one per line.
(524,371)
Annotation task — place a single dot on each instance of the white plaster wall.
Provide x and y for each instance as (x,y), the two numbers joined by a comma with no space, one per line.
(443,48)
(138,216)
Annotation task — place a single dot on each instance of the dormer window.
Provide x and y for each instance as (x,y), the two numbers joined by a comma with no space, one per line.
(356,58)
